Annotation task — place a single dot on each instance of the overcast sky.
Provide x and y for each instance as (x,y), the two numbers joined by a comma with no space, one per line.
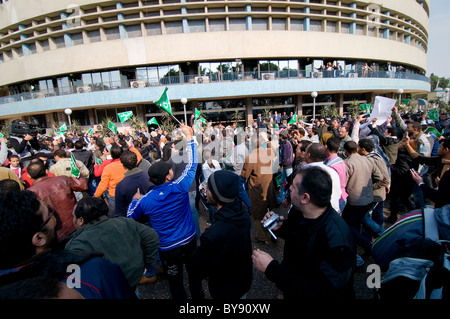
(438,39)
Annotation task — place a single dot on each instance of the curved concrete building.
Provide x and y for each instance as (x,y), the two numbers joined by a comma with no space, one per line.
(100,58)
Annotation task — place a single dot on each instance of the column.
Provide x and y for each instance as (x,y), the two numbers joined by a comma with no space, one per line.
(248,111)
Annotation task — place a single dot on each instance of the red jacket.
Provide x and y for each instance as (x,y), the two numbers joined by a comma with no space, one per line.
(57,192)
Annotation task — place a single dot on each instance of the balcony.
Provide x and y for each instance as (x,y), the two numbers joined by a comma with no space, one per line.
(213,78)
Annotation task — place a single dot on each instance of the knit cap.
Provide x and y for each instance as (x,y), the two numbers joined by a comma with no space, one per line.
(224,186)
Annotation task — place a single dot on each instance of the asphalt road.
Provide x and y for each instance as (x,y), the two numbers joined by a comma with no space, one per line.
(261,287)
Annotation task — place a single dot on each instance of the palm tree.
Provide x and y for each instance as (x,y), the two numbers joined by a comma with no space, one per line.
(136,123)
(4,129)
(105,129)
(75,126)
(353,108)
(237,116)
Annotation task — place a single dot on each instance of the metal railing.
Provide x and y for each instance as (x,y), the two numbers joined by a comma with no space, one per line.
(209,78)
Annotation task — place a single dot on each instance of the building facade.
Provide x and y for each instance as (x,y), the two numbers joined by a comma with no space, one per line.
(100,58)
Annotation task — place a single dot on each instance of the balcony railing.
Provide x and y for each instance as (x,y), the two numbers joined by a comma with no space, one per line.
(208,78)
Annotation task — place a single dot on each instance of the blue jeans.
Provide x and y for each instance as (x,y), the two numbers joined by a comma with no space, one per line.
(371,220)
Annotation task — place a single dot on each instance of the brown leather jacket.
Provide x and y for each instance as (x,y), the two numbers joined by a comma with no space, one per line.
(57,192)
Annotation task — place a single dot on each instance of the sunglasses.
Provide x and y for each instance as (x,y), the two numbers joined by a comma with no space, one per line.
(52,214)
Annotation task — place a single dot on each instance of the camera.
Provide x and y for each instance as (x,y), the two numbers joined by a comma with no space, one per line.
(21,128)
(271,223)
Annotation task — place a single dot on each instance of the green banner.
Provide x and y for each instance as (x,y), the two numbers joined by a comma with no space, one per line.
(434,131)
(152,121)
(433,115)
(112,127)
(124,116)
(197,114)
(293,119)
(63,127)
(74,170)
(164,102)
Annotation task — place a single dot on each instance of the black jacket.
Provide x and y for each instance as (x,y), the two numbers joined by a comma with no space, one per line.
(87,157)
(224,253)
(319,258)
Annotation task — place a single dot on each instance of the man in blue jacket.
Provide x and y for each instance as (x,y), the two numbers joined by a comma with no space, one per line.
(168,209)
(134,179)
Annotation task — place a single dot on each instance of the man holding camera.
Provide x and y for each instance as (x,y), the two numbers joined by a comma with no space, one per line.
(23,140)
(319,252)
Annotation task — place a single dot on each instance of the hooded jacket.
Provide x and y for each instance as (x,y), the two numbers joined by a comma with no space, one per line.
(224,254)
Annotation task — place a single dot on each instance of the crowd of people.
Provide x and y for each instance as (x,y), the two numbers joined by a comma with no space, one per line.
(124,208)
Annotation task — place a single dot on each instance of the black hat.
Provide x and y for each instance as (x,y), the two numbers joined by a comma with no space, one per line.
(158,172)
(224,186)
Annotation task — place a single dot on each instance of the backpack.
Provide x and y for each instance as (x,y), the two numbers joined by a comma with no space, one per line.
(414,252)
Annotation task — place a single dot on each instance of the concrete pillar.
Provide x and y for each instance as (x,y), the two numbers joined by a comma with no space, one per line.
(299,105)
(248,111)
(340,103)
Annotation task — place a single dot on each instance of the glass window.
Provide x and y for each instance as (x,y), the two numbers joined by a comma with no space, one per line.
(197,25)
(63,85)
(237,24)
(259,24)
(173,27)
(153,28)
(134,31)
(217,25)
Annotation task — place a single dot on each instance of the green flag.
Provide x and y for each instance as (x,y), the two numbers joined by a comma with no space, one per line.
(63,127)
(97,160)
(74,170)
(433,115)
(202,120)
(365,108)
(164,102)
(433,130)
(90,131)
(293,119)
(1,135)
(125,116)
(112,127)
(405,101)
(197,114)
(152,121)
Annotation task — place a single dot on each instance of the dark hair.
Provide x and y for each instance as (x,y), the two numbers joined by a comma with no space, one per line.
(69,143)
(333,144)
(9,185)
(167,151)
(128,159)
(115,151)
(317,151)
(351,147)
(304,144)
(123,144)
(32,288)
(366,144)
(445,143)
(317,183)
(79,145)
(144,139)
(60,153)
(18,223)
(36,169)
(90,208)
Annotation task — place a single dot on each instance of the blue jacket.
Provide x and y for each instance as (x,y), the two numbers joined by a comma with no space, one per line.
(167,206)
(127,187)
